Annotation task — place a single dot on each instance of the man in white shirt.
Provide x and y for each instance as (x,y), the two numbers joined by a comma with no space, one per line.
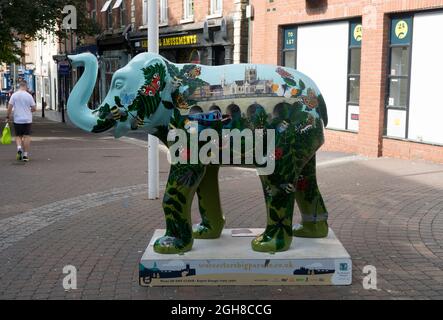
(22,105)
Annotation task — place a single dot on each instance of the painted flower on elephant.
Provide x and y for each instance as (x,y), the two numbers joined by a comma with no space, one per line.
(302,184)
(278,153)
(152,88)
(311,100)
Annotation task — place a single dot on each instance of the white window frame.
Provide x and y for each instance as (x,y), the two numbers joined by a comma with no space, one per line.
(188,16)
(145,14)
(163,19)
(215,9)
(122,14)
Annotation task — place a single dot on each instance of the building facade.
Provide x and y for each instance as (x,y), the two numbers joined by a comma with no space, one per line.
(211,32)
(377,63)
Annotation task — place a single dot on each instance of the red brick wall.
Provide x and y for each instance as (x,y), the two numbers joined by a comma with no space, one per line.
(411,150)
(340,141)
(270,16)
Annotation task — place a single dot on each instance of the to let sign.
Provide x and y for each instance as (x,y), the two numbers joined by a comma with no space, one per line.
(289,39)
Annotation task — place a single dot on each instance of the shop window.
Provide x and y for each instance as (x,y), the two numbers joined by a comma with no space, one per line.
(354,63)
(216,7)
(289,56)
(188,9)
(398,79)
(163,12)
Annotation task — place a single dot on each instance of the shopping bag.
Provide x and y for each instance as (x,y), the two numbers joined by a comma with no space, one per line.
(6,135)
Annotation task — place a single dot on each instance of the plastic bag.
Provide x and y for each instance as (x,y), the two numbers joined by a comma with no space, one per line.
(6,135)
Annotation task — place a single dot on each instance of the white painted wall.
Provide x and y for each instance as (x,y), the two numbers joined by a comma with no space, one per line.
(322,54)
(426,95)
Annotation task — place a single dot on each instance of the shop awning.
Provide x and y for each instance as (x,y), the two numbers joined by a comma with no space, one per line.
(117,4)
(106,6)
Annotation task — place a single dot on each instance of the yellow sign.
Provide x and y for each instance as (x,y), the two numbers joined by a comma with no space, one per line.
(358,32)
(401,29)
(174,41)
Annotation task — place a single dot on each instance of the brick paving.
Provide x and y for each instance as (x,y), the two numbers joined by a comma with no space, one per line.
(70,205)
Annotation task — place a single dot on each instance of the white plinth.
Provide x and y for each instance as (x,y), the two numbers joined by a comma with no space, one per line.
(230,260)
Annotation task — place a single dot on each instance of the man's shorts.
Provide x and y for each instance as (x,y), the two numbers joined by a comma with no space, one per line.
(22,129)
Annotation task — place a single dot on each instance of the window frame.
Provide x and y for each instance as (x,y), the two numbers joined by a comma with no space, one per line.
(188,4)
(282,45)
(387,107)
(144,13)
(164,12)
(109,18)
(122,13)
(352,75)
(212,5)
(94,10)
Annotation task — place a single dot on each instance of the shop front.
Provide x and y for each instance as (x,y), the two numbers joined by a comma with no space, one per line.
(201,43)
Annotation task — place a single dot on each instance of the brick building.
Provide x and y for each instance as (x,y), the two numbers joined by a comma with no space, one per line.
(378,64)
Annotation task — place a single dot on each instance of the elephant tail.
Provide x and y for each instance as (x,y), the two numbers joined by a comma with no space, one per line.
(322,110)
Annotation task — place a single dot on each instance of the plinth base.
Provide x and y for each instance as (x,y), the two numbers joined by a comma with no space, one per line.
(230,260)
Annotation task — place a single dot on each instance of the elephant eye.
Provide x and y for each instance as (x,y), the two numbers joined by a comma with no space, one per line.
(119,84)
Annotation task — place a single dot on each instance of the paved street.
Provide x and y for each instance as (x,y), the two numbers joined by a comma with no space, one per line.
(82,201)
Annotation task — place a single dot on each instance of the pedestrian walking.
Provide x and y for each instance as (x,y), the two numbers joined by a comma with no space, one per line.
(21,105)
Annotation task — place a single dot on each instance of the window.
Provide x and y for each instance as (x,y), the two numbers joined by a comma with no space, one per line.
(94,10)
(163,12)
(216,7)
(354,62)
(398,79)
(289,47)
(109,18)
(145,12)
(123,14)
(188,9)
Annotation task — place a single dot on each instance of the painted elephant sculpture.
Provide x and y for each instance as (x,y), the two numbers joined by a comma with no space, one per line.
(154,94)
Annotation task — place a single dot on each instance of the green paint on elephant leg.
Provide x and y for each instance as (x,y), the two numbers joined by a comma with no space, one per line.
(182,183)
(280,205)
(314,215)
(212,219)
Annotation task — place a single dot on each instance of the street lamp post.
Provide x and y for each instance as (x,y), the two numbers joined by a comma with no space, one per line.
(153,169)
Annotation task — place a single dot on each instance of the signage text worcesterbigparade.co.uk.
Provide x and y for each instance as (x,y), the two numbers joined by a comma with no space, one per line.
(174,41)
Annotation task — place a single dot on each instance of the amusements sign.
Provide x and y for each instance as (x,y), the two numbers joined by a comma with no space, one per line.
(185,40)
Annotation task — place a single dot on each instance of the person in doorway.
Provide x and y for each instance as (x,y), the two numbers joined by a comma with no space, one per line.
(21,105)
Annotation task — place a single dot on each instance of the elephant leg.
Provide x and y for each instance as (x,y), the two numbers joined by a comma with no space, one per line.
(314,222)
(182,183)
(212,219)
(279,199)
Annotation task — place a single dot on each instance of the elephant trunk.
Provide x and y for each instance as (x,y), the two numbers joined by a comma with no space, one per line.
(77,105)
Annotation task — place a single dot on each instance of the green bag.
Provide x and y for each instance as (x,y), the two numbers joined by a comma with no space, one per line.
(6,135)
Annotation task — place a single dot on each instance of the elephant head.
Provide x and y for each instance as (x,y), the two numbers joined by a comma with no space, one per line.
(134,100)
